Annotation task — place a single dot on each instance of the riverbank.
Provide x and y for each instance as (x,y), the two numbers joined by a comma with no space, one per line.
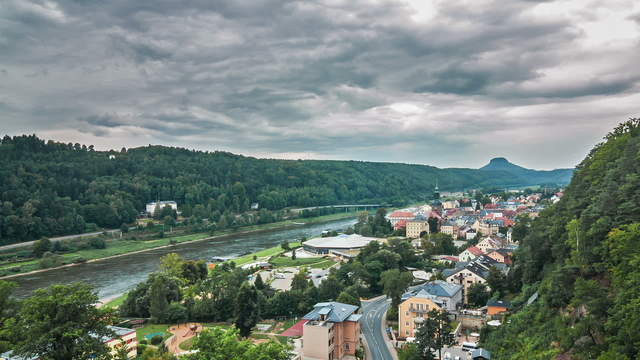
(119,248)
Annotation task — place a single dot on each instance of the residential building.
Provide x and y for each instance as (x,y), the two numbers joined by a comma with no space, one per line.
(447,295)
(153,206)
(502,256)
(472,273)
(398,215)
(415,228)
(489,244)
(489,227)
(332,332)
(449,228)
(123,337)
(470,234)
(497,306)
(413,310)
(469,254)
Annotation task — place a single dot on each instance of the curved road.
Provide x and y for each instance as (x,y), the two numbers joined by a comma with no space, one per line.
(372,313)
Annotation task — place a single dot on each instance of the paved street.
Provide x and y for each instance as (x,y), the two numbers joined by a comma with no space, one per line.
(56,239)
(371,326)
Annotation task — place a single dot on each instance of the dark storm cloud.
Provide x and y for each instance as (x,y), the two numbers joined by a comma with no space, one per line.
(443,82)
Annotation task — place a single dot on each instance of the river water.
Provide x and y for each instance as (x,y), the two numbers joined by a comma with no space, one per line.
(115,276)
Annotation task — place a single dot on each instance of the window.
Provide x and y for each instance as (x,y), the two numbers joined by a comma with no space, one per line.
(406,313)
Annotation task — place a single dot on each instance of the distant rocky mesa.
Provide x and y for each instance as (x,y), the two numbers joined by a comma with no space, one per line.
(529,176)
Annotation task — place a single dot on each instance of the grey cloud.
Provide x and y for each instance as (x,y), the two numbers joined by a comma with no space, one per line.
(276,76)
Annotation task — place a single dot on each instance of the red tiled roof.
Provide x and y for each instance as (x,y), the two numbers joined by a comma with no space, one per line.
(295,330)
(475,251)
(400,224)
(450,258)
(401,214)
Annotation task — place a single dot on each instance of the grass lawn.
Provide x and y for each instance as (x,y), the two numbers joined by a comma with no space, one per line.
(115,302)
(150,329)
(282,261)
(276,250)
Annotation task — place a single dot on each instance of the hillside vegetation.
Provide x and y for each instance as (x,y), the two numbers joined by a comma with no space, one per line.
(583,257)
(51,188)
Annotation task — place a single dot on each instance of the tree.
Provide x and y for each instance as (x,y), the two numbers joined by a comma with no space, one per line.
(347,298)
(478,295)
(171,264)
(61,323)
(496,281)
(218,344)
(434,334)
(299,281)
(247,309)
(394,283)
(8,308)
(285,245)
(41,246)
(259,283)
(158,304)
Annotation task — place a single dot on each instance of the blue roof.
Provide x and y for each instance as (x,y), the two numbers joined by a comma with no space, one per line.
(333,311)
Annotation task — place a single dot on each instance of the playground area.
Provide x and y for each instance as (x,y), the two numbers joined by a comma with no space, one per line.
(182,333)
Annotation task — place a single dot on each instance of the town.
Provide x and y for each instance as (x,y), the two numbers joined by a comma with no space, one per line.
(432,276)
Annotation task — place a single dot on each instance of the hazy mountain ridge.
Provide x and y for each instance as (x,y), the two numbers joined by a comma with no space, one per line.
(556,176)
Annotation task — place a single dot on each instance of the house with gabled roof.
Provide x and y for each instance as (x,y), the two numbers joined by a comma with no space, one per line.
(470,253)
(448,295)
(331,332)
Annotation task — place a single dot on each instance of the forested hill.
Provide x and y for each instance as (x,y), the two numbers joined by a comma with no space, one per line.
(583,257)
(51,188)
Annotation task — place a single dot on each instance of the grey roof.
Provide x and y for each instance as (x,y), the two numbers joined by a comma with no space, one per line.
(533,298)
(480,353)
(501,303)
(435,288)
(9,356)
(333,311)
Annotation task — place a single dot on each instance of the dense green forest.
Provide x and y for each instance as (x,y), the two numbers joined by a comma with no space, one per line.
(50,188)
(582,256)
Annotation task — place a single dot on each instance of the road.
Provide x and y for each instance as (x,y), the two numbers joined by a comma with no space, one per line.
(371,325)
(55,239)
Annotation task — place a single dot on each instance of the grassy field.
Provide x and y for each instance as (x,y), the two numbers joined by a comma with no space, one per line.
(262,255)
(151,329)
(115,302)
(320,263)
(120,247)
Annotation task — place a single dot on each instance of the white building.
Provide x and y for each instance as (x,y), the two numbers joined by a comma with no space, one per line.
(152,206)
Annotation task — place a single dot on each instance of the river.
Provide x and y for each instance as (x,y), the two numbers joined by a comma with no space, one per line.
(115,276)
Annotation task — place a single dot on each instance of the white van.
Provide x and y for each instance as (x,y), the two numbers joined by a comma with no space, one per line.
(469,346)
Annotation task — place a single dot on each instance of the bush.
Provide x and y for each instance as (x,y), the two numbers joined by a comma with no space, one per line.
(176,313)
(124,228)
(79,260)
(97,243)
(141,348)
(143,342)
(156,340)
(173,242)
(50,260)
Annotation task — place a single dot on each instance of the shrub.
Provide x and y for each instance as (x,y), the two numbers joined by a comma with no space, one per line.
(173,241)
(97,243)
(143,341)
(50,260)
(156,340)
(141,348)
(79,260)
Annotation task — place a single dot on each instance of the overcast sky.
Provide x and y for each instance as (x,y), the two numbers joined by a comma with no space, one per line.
(446,83)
